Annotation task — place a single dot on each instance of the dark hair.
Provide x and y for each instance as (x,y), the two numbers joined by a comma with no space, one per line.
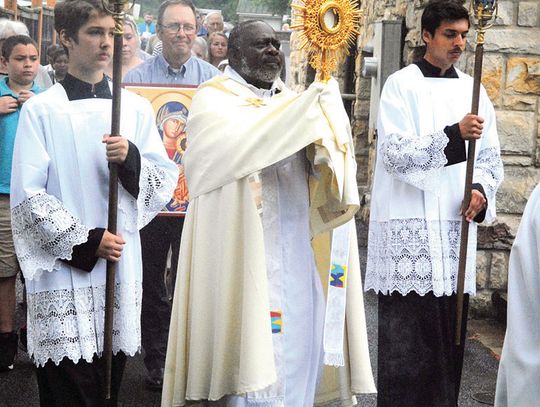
(57,54)
(13,41)
(236,34)
(71,15)
(163,6)
(438,11)
(51,49)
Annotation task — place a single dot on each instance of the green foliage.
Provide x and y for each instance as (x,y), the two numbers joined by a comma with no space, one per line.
(277,7)
(227,7)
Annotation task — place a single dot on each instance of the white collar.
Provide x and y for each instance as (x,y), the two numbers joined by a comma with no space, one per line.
(262,93)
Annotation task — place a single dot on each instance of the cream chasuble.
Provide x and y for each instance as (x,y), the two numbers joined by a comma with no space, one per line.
(221,340)
(59,191)
(519,370)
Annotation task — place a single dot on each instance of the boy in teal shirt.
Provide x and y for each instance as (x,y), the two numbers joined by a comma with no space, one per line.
(21,61)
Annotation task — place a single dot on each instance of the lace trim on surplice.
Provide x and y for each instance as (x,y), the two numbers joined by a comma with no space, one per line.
(489,171)
(153,195)
(417,161)
(407,255)
(69,323)
(44,232)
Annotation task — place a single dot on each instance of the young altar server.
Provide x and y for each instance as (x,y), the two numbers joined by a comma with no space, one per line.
(415,221)
(59,201)
(519,370)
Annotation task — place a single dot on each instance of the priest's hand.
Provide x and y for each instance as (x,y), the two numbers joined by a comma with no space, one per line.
(24,95)
(477,205)
(111,246)
(8,104)
(116,147)
(471,127)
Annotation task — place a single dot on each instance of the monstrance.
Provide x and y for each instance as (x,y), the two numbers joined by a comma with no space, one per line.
(327,29)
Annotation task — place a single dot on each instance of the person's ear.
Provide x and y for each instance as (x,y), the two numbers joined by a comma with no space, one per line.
(3,62)
(233,55)
(426,36)
(65,40)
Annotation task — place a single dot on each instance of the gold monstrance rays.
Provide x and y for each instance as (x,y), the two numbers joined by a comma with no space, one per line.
(327,28)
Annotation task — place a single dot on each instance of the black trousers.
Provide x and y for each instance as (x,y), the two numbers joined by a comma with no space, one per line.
(419,364)
(160,235)
(79,384)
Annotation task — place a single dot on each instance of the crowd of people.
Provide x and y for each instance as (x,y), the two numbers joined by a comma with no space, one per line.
(266,305)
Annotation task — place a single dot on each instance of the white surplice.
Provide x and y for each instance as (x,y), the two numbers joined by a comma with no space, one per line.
(519,370)
(415,224)
(59,191)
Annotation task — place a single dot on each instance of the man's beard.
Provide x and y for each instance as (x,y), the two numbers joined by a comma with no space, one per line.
(260,74)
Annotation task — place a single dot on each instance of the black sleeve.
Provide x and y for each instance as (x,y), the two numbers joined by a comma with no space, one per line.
(479,218)
(130,170)
(84,255)
(455,149)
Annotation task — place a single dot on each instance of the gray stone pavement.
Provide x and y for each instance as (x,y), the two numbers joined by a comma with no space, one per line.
(19,389)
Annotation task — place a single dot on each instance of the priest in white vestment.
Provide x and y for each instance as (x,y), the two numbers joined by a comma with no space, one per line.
(415,221)
(267,170)
(519,370)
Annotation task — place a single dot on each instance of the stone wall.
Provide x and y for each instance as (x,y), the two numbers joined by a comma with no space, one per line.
(511,76)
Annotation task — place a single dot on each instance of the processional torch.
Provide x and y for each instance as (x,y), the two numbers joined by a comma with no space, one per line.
(118,9)
(327,28)
(484,13)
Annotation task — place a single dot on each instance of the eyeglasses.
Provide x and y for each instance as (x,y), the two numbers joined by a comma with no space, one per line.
(175,27)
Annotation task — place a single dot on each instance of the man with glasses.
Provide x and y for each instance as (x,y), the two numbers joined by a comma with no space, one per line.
(177,29)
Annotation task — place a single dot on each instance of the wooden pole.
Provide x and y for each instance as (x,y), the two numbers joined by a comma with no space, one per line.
(484,12)
(471,151)
(118,14)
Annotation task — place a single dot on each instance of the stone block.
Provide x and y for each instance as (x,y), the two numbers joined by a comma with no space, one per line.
(511,222)
(528,13)
(480,305)
(516,188)
(513,40)
(498,276)
(523,74)
(517,131)
(492,75)
(483,259)
(497,236)
(518,160)
(505,13)
(519,102)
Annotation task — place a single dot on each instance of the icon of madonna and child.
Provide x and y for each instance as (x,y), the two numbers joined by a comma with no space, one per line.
(171,121)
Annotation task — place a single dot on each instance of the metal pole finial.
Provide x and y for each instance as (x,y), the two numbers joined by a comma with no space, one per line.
(484,13)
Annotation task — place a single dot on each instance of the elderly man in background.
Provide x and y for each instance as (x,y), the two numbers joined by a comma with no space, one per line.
(177,29)
(213,22)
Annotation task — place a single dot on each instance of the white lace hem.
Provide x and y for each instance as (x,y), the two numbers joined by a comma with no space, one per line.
(153,195)
(417,161)
(69,323)
(44,232)
(406,255)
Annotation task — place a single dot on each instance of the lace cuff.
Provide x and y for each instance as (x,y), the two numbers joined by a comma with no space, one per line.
(44,232)
(489,171)
(416,161)
(153,195)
